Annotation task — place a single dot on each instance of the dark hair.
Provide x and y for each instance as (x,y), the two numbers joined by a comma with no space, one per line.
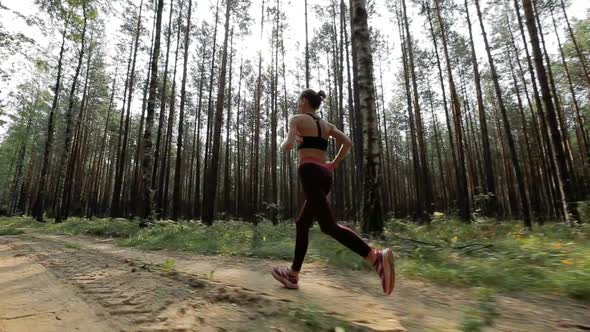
(314,98)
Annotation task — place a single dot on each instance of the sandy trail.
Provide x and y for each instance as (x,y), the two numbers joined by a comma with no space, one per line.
(47,284)
(243,290)
(33,299)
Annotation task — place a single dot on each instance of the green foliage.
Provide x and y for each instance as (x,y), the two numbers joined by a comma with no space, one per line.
(20,223)
(168,265)
(41,65)
(92,14)
(73,245)
(482,314)
(99,227)
(312,317)
(584,212)
(554,258)
(10,231)
(505,257)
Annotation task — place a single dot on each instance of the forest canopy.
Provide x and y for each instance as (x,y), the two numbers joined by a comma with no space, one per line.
(172,109)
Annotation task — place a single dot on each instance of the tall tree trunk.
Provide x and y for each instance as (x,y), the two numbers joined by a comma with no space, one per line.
(444,95)
(463,194)
(177,199)
(147,164)
(255,165)
(576,45)
(563,179)
(158,165)
(583,144)
(227,174)
(426,183)
(490,185)
(210,194)
(358,135)
(80,125)
(166,160)
(529,161)
(197,201)
(524,201)
(122,157)
(20,163)
(565,141)
(95,192)
(210,98)
(372,214)
(419,198)
(548,160)
(64,160)
(306,50)
(39,206)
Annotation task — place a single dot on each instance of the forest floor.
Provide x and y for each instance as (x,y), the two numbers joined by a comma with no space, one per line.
(64,282)
(58,278)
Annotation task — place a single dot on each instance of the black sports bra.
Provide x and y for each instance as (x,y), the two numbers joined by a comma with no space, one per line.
(314,142)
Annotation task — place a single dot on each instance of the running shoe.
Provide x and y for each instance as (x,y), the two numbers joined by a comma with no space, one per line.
(284,275)
(385,268)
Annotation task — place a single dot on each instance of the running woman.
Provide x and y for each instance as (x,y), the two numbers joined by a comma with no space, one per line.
(312,134)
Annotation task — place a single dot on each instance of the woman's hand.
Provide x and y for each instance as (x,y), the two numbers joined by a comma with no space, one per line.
(331,166)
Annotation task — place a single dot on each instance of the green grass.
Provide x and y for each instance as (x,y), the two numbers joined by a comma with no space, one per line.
(504,256)
(551,259)
(168,265)
(98,227)
(73,245)
(10,231)
(482,314)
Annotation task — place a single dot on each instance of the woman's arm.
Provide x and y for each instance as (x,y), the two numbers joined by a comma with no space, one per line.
(345,142)
(291,136)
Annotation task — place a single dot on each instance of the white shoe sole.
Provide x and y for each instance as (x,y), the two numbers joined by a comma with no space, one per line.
(388,270)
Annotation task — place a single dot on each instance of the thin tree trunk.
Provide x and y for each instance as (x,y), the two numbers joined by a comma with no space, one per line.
(158,165)
(227,175)
(583,144)
(210,194)
(210,98)
(576,45)
(65,157)
(166,160)
(524,201)
(122,159)
(444,95)
(490,185)
(463,194)
(148,196)
(564,185)
(177,199)
(426,182)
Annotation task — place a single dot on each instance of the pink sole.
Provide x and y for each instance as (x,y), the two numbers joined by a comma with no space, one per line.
(389,266)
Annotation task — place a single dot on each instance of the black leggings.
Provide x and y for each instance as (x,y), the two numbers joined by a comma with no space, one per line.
(316,181)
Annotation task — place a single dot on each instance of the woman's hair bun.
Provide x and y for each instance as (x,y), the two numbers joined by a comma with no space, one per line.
(314,98)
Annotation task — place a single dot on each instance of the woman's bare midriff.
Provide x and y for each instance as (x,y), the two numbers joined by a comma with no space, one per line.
(312,154)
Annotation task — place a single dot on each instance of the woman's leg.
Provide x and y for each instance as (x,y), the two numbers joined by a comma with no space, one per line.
(303,223)
(316,186)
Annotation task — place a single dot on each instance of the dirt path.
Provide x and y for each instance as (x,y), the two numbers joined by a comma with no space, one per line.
(53,284)
(241,290)
(31,296)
